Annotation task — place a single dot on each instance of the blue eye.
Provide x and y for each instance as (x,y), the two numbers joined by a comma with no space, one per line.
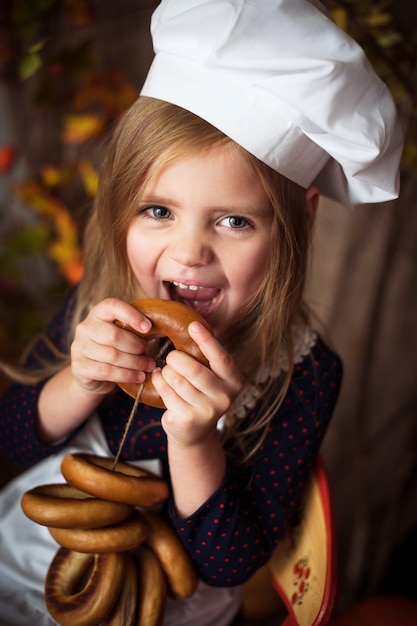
(159,212)
(236,222)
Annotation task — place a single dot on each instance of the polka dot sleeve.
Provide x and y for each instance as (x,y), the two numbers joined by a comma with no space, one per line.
(236,530)
(18,407)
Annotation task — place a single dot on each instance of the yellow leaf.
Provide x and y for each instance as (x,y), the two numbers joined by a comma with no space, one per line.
(89,177)
(340,17)
(54,176)
(378,19)
(79,128)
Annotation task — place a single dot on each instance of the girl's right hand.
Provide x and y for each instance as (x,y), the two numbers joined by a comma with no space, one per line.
(103,353)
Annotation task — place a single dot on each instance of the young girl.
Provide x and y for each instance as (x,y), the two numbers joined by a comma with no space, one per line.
(206,197)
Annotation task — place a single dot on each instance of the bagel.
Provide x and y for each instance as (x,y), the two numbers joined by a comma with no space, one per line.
(64,506)
(169,319)
(125,609)
(176,563)
(81,589)
(120,537)
(152,589)
(127,483)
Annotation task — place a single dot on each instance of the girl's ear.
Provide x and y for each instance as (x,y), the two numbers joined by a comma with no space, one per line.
(312,202)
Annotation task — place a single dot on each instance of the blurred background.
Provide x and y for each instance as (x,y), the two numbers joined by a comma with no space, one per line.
(68,69)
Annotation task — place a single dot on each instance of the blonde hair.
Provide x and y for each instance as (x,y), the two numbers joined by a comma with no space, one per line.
(150,135)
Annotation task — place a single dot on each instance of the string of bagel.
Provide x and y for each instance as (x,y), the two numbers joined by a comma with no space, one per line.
(118,559)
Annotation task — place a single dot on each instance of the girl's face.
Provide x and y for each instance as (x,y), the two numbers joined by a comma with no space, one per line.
(201,235)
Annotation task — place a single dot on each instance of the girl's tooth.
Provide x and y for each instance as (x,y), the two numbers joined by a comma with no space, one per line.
(183,286)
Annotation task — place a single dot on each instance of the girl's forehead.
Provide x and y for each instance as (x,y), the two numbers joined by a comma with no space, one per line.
(226,151)
(217,177)
(213,158)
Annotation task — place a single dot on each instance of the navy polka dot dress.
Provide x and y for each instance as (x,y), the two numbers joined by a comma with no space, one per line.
(234,532)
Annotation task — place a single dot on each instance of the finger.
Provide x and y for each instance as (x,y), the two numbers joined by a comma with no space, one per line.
(100,328)
(169,395)
(221,363)
(113,342)
(202,389)
(177,387)
(90,370)
(112,309)
(112,355)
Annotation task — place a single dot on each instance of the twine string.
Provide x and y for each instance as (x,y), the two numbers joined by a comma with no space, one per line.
(134,407)
(128,424)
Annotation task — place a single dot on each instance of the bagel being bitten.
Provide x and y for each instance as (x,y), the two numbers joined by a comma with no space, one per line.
(169,319)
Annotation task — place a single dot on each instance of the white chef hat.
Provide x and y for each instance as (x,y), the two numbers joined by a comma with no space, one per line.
(283,81)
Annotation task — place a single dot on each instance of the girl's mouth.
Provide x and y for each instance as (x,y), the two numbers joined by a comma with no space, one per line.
(200,298)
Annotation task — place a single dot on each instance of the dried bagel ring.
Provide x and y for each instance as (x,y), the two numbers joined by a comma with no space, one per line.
(175,561)
(81,589)
(126,483)
(125,609)
(64,506)
(152,589)
(120,537)
(169,319)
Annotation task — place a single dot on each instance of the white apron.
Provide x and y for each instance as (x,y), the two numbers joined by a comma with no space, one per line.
(27,549)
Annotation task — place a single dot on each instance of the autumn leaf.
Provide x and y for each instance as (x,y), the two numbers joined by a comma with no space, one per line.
(55,176)
(339,15)
(63,247)
(31,61)
(72,269)
(111,93)
(32,194)
(7,158)
(89,177)
(81,12)
(80,128)
(67,256)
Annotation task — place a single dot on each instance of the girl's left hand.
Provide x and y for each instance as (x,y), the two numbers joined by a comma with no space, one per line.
(196,396)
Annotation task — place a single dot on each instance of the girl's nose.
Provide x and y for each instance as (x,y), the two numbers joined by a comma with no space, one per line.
(190,248)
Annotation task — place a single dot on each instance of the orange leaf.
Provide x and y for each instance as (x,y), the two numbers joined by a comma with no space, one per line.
(35,196)
(72,270)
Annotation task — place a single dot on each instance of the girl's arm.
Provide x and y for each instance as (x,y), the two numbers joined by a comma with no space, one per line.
(196,397)
(102,354)
(63,405)
(34,416)
(234,532)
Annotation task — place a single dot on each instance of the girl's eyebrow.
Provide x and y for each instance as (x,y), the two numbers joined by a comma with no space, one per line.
(156,200)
